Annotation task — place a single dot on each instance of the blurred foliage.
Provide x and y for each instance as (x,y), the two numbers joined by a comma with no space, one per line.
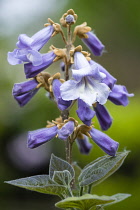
(117,24)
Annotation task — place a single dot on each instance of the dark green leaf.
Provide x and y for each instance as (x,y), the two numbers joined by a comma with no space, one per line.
(39,183)
(84,202)
(57,164)
(62,177)
(101,169)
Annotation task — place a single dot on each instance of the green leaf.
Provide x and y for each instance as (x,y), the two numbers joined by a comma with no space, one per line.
(62,177)
(41,184)
(101,169)
(84,202)
(118,198)
(57,164)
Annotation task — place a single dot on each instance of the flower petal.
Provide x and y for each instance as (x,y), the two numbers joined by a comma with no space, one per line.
(84,112)
(24,41)
(32,71)
(107,144)
(66,130)
(119,95)
(41,136)
(34,57)
(80,61)
(94,44)
(12,59)
(103,116)
(84,145)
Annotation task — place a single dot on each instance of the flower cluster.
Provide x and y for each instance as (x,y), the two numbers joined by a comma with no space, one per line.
(90,85)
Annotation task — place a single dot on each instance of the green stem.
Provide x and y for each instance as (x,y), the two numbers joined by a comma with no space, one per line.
(89,188)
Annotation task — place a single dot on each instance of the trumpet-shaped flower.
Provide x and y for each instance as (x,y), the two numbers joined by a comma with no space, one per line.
(84,145)
(103,116)
(84,112)
(87,83)
(28,47)
(107,144)
(43,135)
(24,91)
(31,70)
(119,95)
(93,43)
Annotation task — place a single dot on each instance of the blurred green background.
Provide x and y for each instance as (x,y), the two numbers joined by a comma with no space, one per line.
(117,24)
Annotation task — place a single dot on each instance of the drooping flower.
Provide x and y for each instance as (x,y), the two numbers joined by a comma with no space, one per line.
(31,70)
(84,112)
(103,116)
(87,83)
(107,144)
(93,43)
(119,95)
(43,135)
(83,144)
(109,80)
(62,105)
(24,91)
(28,48)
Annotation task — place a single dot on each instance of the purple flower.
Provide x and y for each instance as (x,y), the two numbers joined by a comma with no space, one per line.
(84,112)
(107,144)
(94,44)
(103,116)
(28,47)
(87,83)
(84,145)
(119,95)
(62,105)
(43,135)
(24,91)
(32,71)
(66,130)
(109,80)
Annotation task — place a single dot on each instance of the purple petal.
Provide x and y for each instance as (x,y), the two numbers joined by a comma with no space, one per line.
(66,130)
(24,41)
(84,112)
(103,116)
(23,92)
(32,71)
(94,44)
(62,105)
(119,95)
(84,145)
(34,57)
(42,37)
(80,61)
(107,144)
(12,59)
(41,136)
(109,80)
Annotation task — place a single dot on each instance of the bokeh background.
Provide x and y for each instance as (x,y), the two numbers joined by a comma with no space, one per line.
(117,24)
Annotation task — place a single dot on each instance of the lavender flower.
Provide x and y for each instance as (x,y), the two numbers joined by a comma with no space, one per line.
(109,80)
(83,144)
(119,95)
(23,92)
(94,44)
(43,135)
(84,112)
(107,144)
(32,71)
(62,105)
(28,47)
(103,116)
(87,84)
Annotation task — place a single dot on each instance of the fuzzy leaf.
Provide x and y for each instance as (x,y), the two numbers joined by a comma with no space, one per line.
(101,169)
(57,164)
(118,198)
(62,177)
(39,183)
(84,202)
